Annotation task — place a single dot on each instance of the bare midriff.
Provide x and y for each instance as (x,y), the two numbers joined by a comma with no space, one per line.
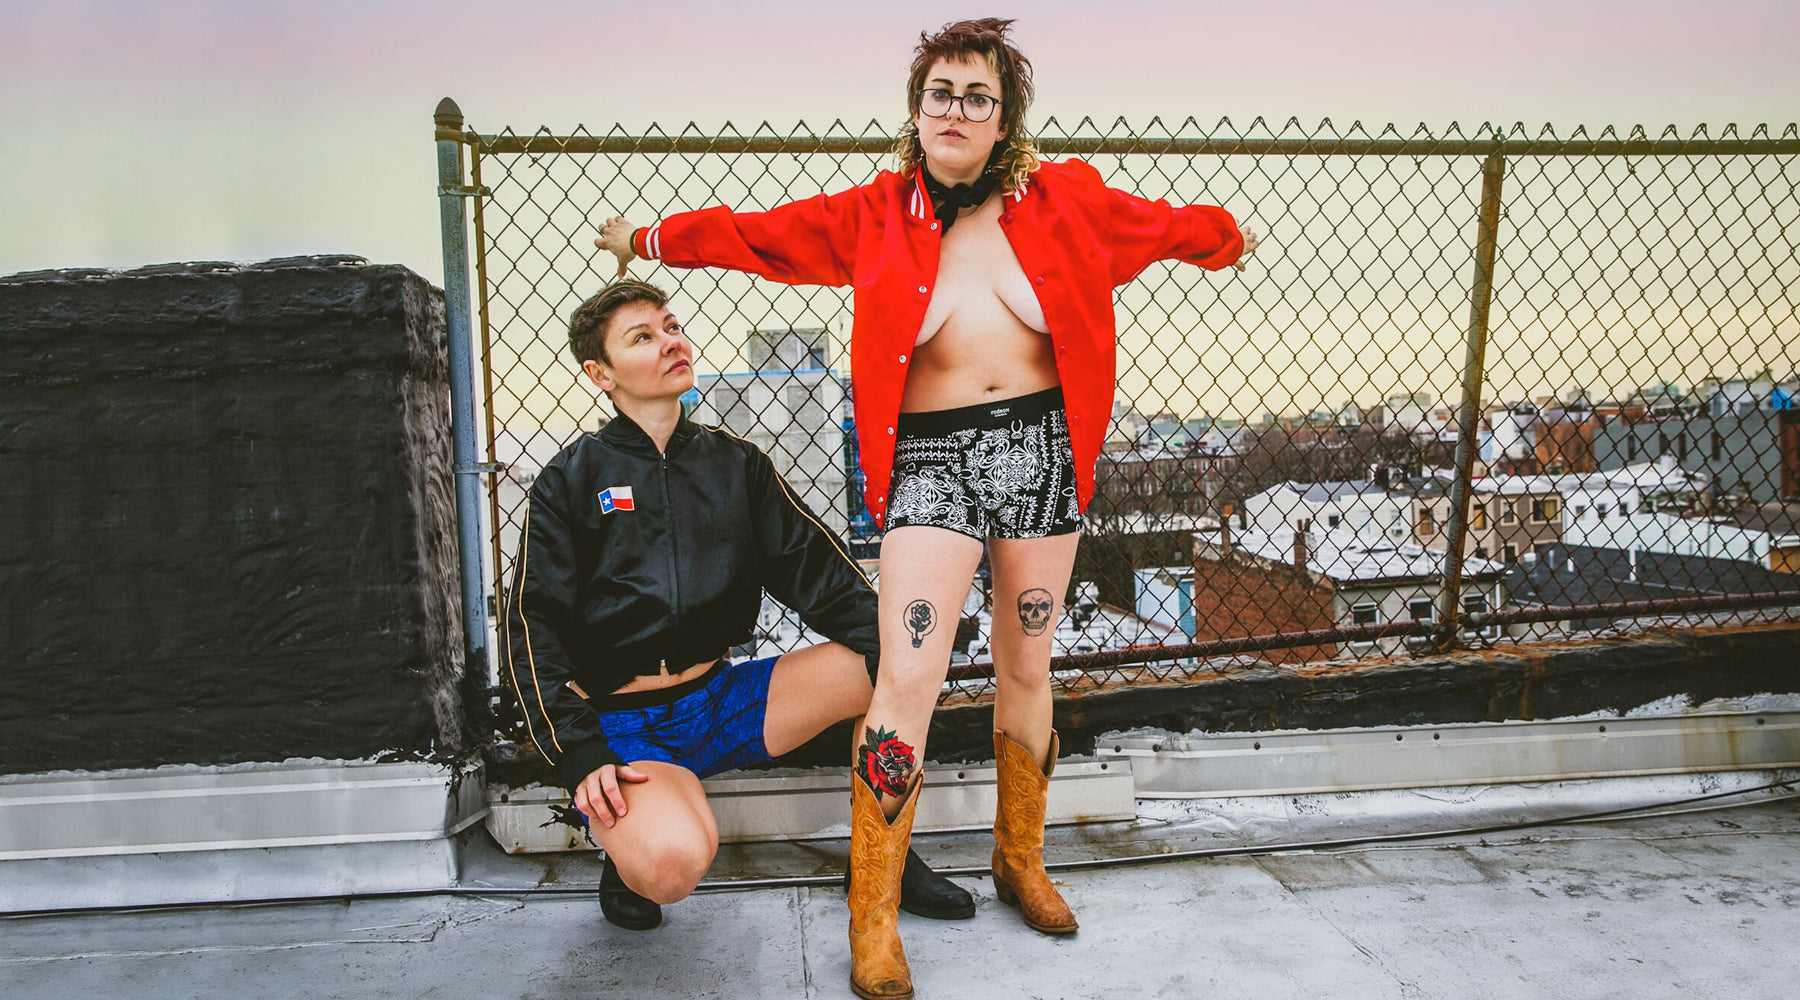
(652,682)
(984,337)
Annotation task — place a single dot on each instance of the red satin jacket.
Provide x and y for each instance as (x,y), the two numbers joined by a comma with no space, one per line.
(1075,237)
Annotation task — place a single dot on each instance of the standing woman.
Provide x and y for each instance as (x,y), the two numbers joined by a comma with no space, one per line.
(982,363)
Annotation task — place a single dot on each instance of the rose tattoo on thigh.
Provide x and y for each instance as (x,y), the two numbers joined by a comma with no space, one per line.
(921,618)
(885,762)
(1035,606)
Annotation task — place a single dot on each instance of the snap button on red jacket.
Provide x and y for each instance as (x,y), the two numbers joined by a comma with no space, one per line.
(1077,237)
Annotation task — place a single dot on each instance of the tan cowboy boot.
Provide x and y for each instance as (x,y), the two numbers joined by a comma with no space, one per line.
(1019,877)
(878,969)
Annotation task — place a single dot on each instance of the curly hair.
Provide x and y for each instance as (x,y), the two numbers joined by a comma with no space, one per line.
(986,38)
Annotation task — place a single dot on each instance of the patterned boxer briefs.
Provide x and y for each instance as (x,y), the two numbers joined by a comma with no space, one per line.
(710,724)
(997,470)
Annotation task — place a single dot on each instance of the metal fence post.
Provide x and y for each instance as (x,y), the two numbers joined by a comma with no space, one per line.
(1468,417)
(451,191)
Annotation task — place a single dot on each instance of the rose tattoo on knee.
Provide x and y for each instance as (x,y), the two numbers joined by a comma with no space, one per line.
(885,762)
(1035,606)
(921,618)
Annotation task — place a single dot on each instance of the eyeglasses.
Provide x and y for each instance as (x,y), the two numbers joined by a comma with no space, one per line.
(975,107)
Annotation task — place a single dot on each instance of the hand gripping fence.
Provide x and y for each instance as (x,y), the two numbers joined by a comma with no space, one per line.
(1476,387)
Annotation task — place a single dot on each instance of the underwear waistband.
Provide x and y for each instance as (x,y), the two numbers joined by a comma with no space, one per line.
(616,702)
(982,416)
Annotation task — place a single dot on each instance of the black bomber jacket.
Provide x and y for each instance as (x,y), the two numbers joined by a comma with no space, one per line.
(631,558)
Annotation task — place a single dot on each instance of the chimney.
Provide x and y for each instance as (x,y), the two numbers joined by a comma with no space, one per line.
(1301,528)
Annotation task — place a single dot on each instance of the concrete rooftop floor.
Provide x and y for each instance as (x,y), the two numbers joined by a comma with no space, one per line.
(1693,904)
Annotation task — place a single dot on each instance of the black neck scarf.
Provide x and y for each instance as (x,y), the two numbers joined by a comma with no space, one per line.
(946,201)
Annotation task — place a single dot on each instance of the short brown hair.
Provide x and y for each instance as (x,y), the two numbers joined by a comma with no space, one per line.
(963,41)
(587,324)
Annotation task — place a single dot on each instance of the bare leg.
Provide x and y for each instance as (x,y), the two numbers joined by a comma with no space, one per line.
(666,840)
(809,690)
(925,575)
(1030,577)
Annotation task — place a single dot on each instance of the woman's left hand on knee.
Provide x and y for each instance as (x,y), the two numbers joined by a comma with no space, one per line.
(599,796)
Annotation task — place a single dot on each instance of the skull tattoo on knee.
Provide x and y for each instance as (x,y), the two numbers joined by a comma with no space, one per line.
(1035,606)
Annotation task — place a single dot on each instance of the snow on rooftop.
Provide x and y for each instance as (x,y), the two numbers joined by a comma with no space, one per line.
(1334,489)
(1346,558)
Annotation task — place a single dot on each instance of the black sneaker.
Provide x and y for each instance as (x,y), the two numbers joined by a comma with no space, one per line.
(925,893)
(623,907)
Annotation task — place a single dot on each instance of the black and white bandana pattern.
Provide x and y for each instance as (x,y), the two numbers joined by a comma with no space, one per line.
(1012,481)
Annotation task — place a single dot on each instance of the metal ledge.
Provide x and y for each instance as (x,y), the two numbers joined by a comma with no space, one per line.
(1236,764)
(815,804)
(214,834)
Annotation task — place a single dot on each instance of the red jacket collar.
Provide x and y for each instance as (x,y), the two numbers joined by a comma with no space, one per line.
(919,205)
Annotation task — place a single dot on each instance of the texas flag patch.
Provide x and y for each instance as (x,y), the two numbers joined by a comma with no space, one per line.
(615,498)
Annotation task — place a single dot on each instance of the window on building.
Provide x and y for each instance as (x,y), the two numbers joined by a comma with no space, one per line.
(1631,448)
(1718,445)
(1624,511)
(1427,521)
(1510,553)
(1662,443)
(1421,609)
(1480,552)
(1580,511)
(1331,520)
(1681,446)
(1365,614)
(1509,512)
(1478,516)
(795,397)
(1545,509)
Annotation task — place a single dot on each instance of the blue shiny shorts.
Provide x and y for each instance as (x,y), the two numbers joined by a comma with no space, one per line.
(710,724)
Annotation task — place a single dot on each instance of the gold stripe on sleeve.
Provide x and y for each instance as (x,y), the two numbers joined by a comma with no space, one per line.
(536,688)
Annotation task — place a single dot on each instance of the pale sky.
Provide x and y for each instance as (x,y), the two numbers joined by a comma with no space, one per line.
(145,132)
(142,132)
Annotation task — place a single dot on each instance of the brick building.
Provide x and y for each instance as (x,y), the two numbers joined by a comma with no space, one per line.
(1259,583)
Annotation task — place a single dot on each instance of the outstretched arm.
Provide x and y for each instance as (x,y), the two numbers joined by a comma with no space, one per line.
(810,242)
(1139,231)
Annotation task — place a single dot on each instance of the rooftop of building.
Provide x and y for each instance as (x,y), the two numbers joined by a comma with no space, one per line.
(1565,574)
(1190,900)
(1781,520)
(1328,490)
(1344,557)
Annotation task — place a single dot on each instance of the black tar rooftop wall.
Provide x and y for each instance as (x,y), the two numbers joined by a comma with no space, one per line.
(226,519)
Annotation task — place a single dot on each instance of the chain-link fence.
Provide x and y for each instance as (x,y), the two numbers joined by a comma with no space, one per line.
(1475,386)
